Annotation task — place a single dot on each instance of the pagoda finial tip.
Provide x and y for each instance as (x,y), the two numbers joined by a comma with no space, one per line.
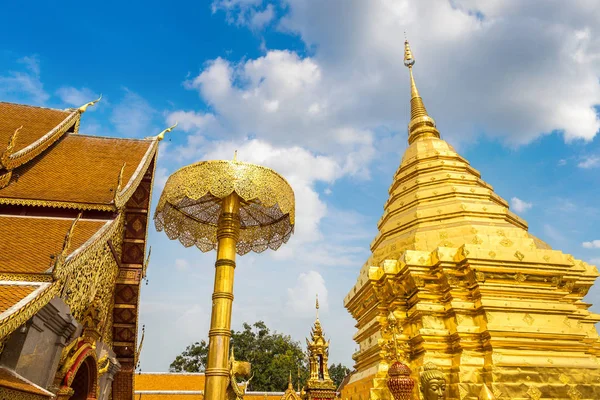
(421,124)
(317,305)
(409,60)
(235,155)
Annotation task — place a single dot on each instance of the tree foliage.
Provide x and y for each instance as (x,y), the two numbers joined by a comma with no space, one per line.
(273,356)
(337,373)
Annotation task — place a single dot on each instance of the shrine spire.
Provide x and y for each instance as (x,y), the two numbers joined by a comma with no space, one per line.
(421,124)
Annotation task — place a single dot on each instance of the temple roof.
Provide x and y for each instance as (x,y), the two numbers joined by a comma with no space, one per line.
(11,294)
(29,245)
(36,122)
(12,380)
(62,197)
(14,295)
(44,162)
(79,169)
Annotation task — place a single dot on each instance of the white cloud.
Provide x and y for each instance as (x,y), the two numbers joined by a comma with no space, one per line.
(505,70)
(245,12)
(181,264)
(283,99)
(133,116)
(76,97)
(519,205)
(301,297)
(260,19)
(595,261)
(594,244)
(589,162)
(191,121)
(24,85)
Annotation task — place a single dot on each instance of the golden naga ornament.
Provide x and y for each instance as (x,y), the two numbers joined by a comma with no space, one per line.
(233,207)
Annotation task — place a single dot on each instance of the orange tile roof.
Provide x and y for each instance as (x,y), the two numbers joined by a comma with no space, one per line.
(78,169)
(11,380)
(182,386)
(12,294)
(28,242)
(36,122)
(169,381)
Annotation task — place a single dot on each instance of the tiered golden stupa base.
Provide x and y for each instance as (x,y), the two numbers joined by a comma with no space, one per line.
(511,318)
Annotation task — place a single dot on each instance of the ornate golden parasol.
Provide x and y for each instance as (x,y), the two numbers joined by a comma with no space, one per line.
(233,207)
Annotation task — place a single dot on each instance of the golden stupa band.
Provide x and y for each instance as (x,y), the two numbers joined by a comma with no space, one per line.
(217,371)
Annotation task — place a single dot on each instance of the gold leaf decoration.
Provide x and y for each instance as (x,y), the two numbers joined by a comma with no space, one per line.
(528,319)
(189,206)
(534,393)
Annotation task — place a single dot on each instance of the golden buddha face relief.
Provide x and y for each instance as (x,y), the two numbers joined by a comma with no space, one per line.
(434,389)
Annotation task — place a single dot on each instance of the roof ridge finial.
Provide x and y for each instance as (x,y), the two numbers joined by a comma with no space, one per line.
(69,236)
(421,124)
(317,306)
(84,107)
(290,385)
(161,135)
(13,140)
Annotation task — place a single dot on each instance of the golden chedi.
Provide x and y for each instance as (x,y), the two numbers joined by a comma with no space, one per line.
(474,292)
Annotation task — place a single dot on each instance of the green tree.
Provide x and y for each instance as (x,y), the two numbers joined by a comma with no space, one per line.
(273,356)
(337,373)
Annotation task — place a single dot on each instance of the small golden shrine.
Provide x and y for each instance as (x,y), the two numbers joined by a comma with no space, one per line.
(73,225)
(319,384)
(290,393)
(497,310)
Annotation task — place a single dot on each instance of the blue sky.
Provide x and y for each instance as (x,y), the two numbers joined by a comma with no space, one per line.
(317,90)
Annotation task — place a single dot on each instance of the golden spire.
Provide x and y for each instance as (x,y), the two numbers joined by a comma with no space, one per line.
(317,305)
(84,107)
(290,385)
(235,155)
(421,124)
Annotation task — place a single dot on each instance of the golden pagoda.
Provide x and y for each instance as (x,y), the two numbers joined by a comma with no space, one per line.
(319,384)
(474,293)
(73,225)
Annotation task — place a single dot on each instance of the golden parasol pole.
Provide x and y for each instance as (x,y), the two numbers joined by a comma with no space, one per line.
(235,207)
(217,372)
